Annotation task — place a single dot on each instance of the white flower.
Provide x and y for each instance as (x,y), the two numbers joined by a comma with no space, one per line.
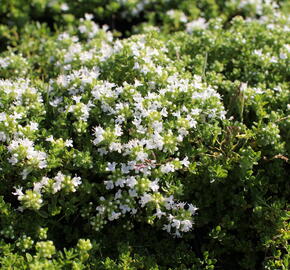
(98,132)
(18,192)
(42,164)
(120,182)
(200,23)
(109,184)
(145,199)
(3,117)
(283,56)
(141,156)
(44,180)
(167,168)
(115,147)
(167,227)
(177,234)
(125,168)
(50,139)
(63,81)
(33,126)
(25,173)
(3,136)
(186,225)
(59,178)
(169,202)
(159,213)
(157,126)
(154,185)
(176,223)
(118,130)
(185,162)
(76,181)
(133,193)
(56,187)
(68,143)
(118,194)
(64,7)
(124,208)
(13,160)
(101,209)
(111,166)
(192,209)
(89,16)
(258,52)
(114,215)
(102,151)
(131,181)
(55,102)
(17,115)
(37,187)
(182,132)
(4,62)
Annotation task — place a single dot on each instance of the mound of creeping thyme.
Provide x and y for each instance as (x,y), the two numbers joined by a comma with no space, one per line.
(111,148)
(130,136)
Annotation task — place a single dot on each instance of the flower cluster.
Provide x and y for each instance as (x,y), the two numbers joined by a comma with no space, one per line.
(143,123)
(137,130)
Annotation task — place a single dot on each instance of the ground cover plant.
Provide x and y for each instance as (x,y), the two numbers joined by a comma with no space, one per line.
(158,143)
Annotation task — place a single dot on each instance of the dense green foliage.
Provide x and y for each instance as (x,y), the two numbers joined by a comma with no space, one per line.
(160,141)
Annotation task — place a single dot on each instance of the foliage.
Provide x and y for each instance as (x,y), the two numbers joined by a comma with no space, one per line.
(167,149)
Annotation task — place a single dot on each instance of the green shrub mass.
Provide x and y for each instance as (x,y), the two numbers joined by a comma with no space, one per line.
(144,134)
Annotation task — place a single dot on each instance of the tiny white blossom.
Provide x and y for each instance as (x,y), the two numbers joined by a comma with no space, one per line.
(69,143)
(133,193)
(114,216)
(131,181)
(76,181)
(176,223)
(185,162)
(159,213)
(109,184)
(167,227)
(200,23)
(167,168)
(186,225)
(18,192)
(154,185)
(111,166)
(145,199)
